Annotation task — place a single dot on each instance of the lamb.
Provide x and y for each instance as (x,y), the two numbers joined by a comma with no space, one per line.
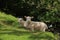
(21,21)
(41,26)
(31,25)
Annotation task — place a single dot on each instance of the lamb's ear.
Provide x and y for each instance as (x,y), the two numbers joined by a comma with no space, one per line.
(25,16)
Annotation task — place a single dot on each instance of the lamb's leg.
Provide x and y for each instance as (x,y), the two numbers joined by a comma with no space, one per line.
(43,29)
(32,29)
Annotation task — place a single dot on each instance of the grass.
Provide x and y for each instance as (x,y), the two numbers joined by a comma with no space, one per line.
(14,34)
(10,29)
(14,37)
(25,35)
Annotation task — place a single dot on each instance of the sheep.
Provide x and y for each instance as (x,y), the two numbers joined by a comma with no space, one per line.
(41,26)
(21,21)
(31,25)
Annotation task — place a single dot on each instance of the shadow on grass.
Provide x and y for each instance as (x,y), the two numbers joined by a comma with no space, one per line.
(33,36)
(0,39)
(41,36)
(15,32)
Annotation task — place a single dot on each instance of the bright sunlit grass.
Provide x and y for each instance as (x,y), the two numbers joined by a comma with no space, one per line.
(14,37)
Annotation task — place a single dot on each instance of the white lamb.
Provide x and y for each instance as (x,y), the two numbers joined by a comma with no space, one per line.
(31,25)
(41,26)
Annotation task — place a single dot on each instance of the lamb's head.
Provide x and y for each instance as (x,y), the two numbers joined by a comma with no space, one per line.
(20,19)
(28,18)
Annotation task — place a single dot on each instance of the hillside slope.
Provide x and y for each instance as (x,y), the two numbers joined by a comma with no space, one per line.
(10,30)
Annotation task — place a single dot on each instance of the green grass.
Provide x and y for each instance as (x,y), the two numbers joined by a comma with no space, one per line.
(26,35)
(14,37)
(10,29)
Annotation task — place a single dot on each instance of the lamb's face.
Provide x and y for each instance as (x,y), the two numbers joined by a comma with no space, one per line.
(28,18)
(20,19)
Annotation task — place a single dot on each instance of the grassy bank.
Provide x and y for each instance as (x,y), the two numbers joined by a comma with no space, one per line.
(10,29)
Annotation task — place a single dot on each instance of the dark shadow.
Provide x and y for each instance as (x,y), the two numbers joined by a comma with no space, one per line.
(40,36)
(15,32)
(0,39)
(33,36)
